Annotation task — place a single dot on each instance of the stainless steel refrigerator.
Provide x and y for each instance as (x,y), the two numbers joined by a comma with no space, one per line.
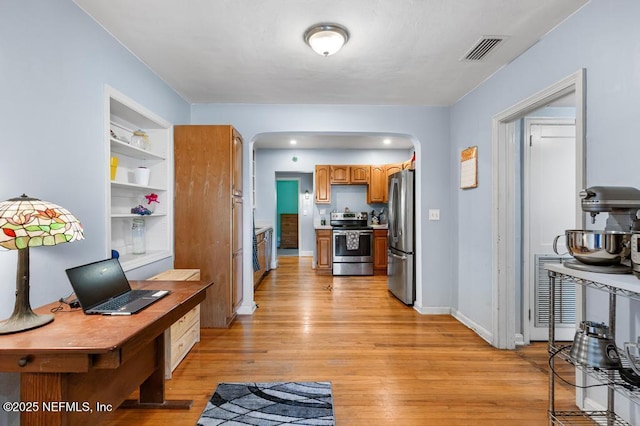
(401,254)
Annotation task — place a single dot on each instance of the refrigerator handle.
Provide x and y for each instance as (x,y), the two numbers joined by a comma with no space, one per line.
(392,254)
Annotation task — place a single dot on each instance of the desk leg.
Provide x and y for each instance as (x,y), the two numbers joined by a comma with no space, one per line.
(38,387)
(152,389)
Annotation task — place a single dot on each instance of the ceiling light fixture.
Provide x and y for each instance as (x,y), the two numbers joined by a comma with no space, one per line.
(326,39)
(293,141)
(387,141)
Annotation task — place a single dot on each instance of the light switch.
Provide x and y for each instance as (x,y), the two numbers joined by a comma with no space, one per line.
(434,214)
(323,211)
(304,212)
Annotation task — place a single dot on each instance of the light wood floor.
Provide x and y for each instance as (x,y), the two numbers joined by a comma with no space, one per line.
(388,364)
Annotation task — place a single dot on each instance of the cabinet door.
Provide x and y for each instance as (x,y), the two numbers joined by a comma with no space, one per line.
(323,185)
(236,226)
(236,267)
(380,250)
(389,170)
(393,168)
(236,281)
(360,174)
(340,174)
(377,188)
(236,164)
(323,250)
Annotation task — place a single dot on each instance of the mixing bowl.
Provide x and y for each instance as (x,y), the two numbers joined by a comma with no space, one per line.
(597,247)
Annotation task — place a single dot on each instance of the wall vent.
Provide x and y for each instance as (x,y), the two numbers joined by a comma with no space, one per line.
(482,48)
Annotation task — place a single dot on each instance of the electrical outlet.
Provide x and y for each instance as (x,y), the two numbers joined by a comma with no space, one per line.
(434,214)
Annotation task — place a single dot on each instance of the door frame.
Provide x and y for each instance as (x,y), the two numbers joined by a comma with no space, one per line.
(298,202)
(504,202)
(528,284)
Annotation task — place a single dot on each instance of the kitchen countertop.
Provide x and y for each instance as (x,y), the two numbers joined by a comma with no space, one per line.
(383,226)
(263,229)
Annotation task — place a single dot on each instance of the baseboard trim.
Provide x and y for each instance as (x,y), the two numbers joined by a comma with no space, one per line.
(247,309)
(477,328)
(432,310)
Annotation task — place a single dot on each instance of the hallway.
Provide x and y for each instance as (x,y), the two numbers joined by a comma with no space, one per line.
(388,364)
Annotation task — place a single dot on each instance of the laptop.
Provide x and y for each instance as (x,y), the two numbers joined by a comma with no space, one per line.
(103,289)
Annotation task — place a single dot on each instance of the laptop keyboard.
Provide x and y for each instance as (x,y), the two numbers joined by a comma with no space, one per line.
(120,301)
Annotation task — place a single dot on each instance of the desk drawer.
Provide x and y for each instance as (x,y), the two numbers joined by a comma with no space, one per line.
(181,346)
(177,344)
(185,323)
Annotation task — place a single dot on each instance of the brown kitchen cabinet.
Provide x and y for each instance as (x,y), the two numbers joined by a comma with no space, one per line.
(377,189)
(359,174)
(323,184)
(323,251)
(208,215)
(340,175)
(392,168)
(380,244)
(289,230)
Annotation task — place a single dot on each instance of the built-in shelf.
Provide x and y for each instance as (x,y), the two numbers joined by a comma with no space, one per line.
(133,215)
(124,148)
(135,186)
(123,116)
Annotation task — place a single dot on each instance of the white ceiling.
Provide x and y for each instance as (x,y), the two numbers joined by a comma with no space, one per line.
(328,140)
(400,52)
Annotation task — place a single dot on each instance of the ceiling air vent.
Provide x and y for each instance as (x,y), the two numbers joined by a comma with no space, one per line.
(482,48)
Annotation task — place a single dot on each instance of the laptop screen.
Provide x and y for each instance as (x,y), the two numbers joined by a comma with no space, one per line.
(97,282)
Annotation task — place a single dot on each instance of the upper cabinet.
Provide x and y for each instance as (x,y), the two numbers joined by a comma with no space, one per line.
(340,175)
(323,184)
(359,174)
(392,168)
(349,175)
(376,178)
(377,189)
(140,173)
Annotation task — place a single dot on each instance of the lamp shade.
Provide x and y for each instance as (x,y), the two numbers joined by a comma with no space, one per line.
(326,39)
(29,222)
(24,223)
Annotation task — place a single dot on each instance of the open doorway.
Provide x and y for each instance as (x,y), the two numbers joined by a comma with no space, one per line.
(294,215)
(506,206)
(287,191)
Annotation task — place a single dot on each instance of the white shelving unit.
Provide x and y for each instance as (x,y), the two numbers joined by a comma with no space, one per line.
(123,116)
(626,286)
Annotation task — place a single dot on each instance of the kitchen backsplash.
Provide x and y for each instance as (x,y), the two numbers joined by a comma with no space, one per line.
(353,197)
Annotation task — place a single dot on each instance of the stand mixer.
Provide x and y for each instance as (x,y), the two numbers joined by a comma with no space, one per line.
(607,251)
(621,202)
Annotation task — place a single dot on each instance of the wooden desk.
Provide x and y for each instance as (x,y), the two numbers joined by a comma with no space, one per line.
(80,367)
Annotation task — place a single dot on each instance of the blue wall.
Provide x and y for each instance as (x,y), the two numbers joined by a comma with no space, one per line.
(54,63)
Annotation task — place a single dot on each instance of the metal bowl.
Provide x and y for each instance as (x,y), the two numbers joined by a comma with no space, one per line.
(598,247)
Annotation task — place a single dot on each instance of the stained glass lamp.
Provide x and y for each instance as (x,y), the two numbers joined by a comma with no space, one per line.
(24,223)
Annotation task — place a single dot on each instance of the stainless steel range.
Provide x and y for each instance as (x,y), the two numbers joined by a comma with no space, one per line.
(352,243)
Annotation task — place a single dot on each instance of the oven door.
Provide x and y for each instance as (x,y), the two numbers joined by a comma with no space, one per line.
(352,246)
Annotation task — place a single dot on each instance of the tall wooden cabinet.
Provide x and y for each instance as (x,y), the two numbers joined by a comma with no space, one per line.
(208,215)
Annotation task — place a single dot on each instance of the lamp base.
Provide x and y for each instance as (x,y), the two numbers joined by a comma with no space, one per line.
(22,322)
